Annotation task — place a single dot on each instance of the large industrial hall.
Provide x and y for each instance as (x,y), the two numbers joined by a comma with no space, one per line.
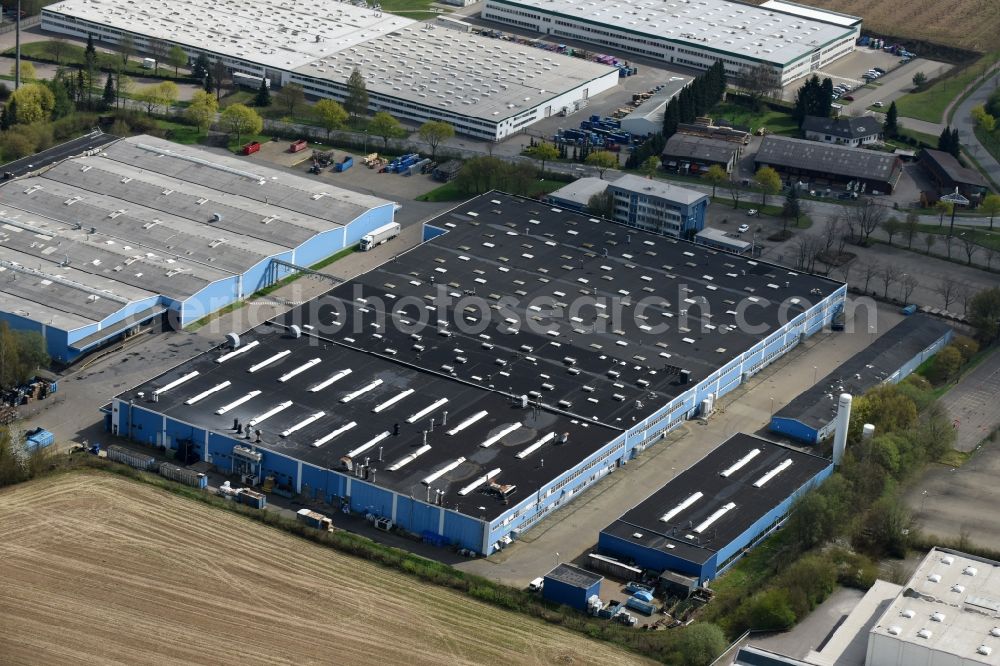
(95,246)
(485,88)
(794,40)
(472,385)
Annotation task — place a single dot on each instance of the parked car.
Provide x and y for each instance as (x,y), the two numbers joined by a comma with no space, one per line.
(536,585)
(878,104)
(752,212)
(879,70)
(744,228)
(848,98)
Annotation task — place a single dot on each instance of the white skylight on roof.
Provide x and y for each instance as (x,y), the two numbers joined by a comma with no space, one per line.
(204,394)
(669,515)
(478,482)
(759,483)
(367,445)
(736,466)
(431,478)
(336,377)
(339,431)
(719,513)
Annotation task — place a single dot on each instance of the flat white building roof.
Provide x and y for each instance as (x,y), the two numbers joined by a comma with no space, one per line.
(951,607)
(814,13)
(463,73)
(743,30)
(273,33)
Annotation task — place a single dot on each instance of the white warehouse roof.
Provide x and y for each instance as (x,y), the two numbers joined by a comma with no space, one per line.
(463,73)
(741,29)
(269,32)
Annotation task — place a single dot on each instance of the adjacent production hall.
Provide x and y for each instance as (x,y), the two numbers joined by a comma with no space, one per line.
(708,516)
(818,163)
(145,231)
(486,88)
(810,417)
(476,383)
(793,40)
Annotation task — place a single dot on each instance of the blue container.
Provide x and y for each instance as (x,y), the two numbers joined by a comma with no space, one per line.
(39,439)
(253,498)
(641,606)
(346,164)
(909,309)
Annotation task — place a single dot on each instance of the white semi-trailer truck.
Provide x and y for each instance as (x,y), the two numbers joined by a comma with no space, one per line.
(379,236)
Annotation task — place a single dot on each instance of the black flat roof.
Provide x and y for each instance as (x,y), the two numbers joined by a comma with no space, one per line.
(552,294)
(817,405)
(575,576)
(690,500)
(506,251)
(419,391)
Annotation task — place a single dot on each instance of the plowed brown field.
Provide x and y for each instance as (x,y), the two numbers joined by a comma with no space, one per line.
(97,569)
(968,24)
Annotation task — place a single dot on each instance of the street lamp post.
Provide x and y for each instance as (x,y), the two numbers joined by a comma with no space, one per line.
(955,199)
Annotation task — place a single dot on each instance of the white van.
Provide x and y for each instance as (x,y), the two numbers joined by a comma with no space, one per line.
(536,585)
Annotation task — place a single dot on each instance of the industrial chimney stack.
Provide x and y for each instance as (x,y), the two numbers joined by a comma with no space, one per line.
(840,434)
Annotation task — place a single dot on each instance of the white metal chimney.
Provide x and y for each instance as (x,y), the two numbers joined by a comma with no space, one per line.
(840,434)
(867,432)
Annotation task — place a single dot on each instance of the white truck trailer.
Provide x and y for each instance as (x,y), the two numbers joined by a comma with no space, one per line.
(379,236)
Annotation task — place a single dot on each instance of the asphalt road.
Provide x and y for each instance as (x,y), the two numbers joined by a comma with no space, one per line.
(58,153)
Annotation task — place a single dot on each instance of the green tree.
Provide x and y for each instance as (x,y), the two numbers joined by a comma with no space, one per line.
(27,71)
(357,94)
(177,57)
(602,204)
(434,133)
(479,174)
(650,166)
(200,68)
(240,120)
(542,152)
(22,353)
(768,181)
(919,79)
(943,208)
(891,125)
(202,109)
(62,102)
(769,610)
(984,314)
(991,206)
(110,95)
(126,47)
(892,226)
(602,160)
(32,102)
(699,644)
(332,115)
(262,99)
(716,175)
(385,126)
(290,96)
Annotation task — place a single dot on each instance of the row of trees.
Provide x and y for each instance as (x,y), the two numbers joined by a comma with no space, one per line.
(948,141)
(814,98)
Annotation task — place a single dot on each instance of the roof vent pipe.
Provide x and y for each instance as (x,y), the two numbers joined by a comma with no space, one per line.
(233,340)
(295,331)
(843,420)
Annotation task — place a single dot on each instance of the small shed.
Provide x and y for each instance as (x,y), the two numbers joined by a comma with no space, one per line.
(570,585)
(675,584)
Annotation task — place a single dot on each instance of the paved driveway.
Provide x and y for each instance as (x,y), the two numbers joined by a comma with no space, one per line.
(971,405)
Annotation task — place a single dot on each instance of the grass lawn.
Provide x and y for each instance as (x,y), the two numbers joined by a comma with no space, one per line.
(179,132)
(776,122)
(449,192)
(983,237)
(73,55)
(990,141)
(930,104)
(414,9)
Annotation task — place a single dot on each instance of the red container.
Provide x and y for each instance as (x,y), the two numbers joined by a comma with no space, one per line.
(251,148)
(301,144)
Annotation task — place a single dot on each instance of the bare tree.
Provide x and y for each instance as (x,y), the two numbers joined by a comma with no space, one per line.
(889,275)
(991,254)
(969,245)
(867,216)
(870,269)
(965,294)
(758,82)
(891,227)
(929,240)
(909,283)
(802,248)
(832,230)
(736,192)
(947,289)
(910,228)
(845,270)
